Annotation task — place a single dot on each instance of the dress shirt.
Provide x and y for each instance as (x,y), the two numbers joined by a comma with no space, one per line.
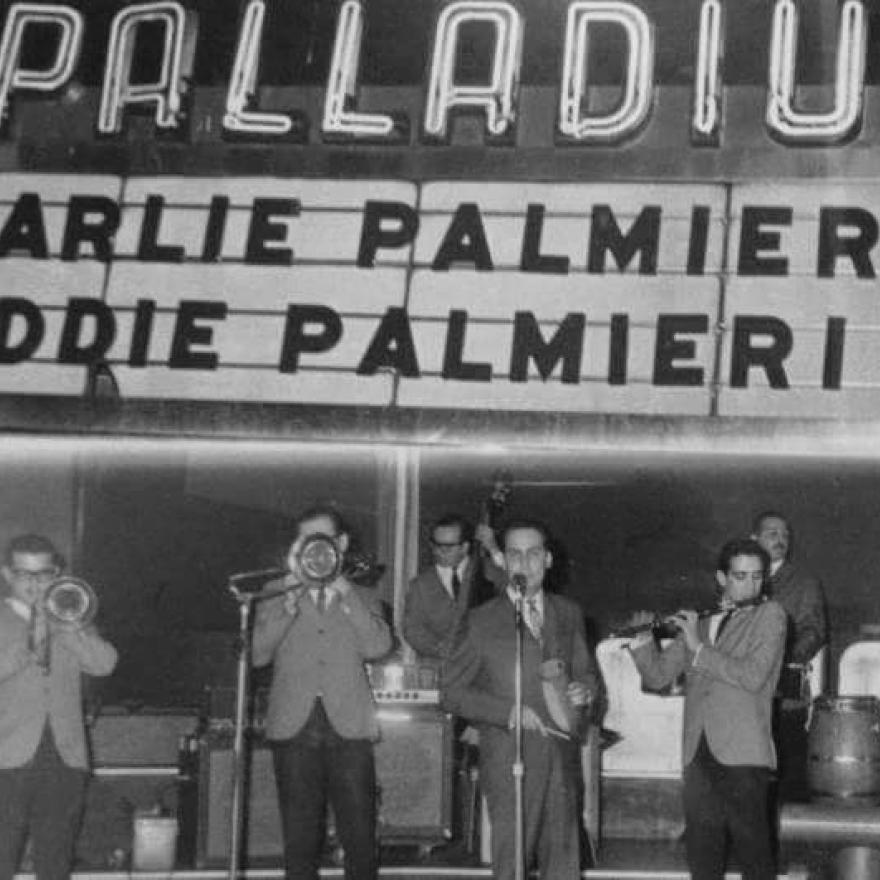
(22,609)
(444,572)
(533,611)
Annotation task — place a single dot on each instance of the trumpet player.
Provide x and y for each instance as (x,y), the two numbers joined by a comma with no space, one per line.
(731,661)
(321,720)
(43,763)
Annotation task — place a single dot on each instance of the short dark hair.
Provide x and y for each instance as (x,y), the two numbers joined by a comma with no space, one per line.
(742,547)
(33,544)
(465,529)
(758,520)
(316,511)
(516,524)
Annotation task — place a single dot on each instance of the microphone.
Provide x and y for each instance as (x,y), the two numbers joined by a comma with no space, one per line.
(519,583)
(259,574)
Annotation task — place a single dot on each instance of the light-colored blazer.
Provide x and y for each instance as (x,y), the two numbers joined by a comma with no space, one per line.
(321,654)
(29,698)
(729,687)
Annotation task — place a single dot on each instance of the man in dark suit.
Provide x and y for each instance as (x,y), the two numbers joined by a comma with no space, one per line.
(321,719)
(479,684)
(800,594)
(731,661)
(439,596)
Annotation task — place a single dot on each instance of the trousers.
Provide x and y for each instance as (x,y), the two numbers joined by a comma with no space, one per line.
(721,800)
(42,800)
(315,767)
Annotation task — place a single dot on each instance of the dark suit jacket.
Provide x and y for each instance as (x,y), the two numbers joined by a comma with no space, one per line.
(430,615)
(729,687)
(322,654)
(800,594)
(478,681)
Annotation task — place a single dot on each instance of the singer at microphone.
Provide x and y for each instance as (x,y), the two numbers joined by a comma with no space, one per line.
(479,683)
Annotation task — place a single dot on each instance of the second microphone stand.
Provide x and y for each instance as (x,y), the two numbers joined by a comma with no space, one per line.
(518,761)
(239,753)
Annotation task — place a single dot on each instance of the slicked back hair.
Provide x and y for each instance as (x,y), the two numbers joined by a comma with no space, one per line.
(465,529)
(33,544)
(516,525)
(742,547)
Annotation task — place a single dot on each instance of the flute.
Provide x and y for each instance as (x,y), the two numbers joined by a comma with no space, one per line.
(662,627)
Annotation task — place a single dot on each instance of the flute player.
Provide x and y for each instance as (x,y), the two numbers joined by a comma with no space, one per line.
(731,661)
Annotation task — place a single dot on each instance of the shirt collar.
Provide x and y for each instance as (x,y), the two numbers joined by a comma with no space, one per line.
(22,609)
(775,566)
(444,572)
(538,599)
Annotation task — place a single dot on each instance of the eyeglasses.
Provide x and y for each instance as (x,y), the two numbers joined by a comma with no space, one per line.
(446,545)
(41,575)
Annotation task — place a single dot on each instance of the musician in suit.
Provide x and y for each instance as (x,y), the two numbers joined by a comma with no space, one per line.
(321,720)
(800,594)
(43,757)
(479,683)
(439,597)
(731,662)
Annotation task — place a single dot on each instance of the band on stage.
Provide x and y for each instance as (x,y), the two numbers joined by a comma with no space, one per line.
(502,651)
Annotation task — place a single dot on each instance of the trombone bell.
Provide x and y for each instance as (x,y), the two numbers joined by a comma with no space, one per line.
(70,603)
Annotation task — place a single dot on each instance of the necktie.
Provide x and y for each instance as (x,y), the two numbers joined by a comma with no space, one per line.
(456,584)
(533,620)
(725,619)
(321,600)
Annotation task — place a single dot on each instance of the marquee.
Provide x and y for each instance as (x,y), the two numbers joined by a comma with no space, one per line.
(700,266)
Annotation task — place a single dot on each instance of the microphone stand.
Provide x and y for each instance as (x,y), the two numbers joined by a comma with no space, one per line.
(239,770)
(518,768)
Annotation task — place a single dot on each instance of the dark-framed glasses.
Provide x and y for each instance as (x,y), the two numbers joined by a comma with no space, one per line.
(39,576)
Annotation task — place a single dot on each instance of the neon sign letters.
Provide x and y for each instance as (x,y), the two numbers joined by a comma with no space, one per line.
(496,100)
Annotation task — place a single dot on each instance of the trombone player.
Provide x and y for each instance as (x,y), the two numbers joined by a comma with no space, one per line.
(43,763)
(318,632)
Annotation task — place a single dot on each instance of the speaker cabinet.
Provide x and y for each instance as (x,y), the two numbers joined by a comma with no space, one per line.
(414,767)
(141,739)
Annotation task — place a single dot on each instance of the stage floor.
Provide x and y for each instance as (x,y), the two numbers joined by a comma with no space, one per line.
(618,859)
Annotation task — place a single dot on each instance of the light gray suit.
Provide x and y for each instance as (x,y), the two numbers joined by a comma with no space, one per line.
(29,699)
(43,756)
(322,654)
(729,688)
(727,742)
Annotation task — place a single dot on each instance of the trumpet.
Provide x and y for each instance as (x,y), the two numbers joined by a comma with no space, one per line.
(70,603)
(664,628)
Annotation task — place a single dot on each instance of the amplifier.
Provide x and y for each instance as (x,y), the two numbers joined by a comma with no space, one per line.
(418,697)
(414,767)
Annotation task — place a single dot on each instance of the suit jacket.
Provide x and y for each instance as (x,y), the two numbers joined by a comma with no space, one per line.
(321,654)
(800,594)
(729,686)
(478,681)
(30,698)
(430,615)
